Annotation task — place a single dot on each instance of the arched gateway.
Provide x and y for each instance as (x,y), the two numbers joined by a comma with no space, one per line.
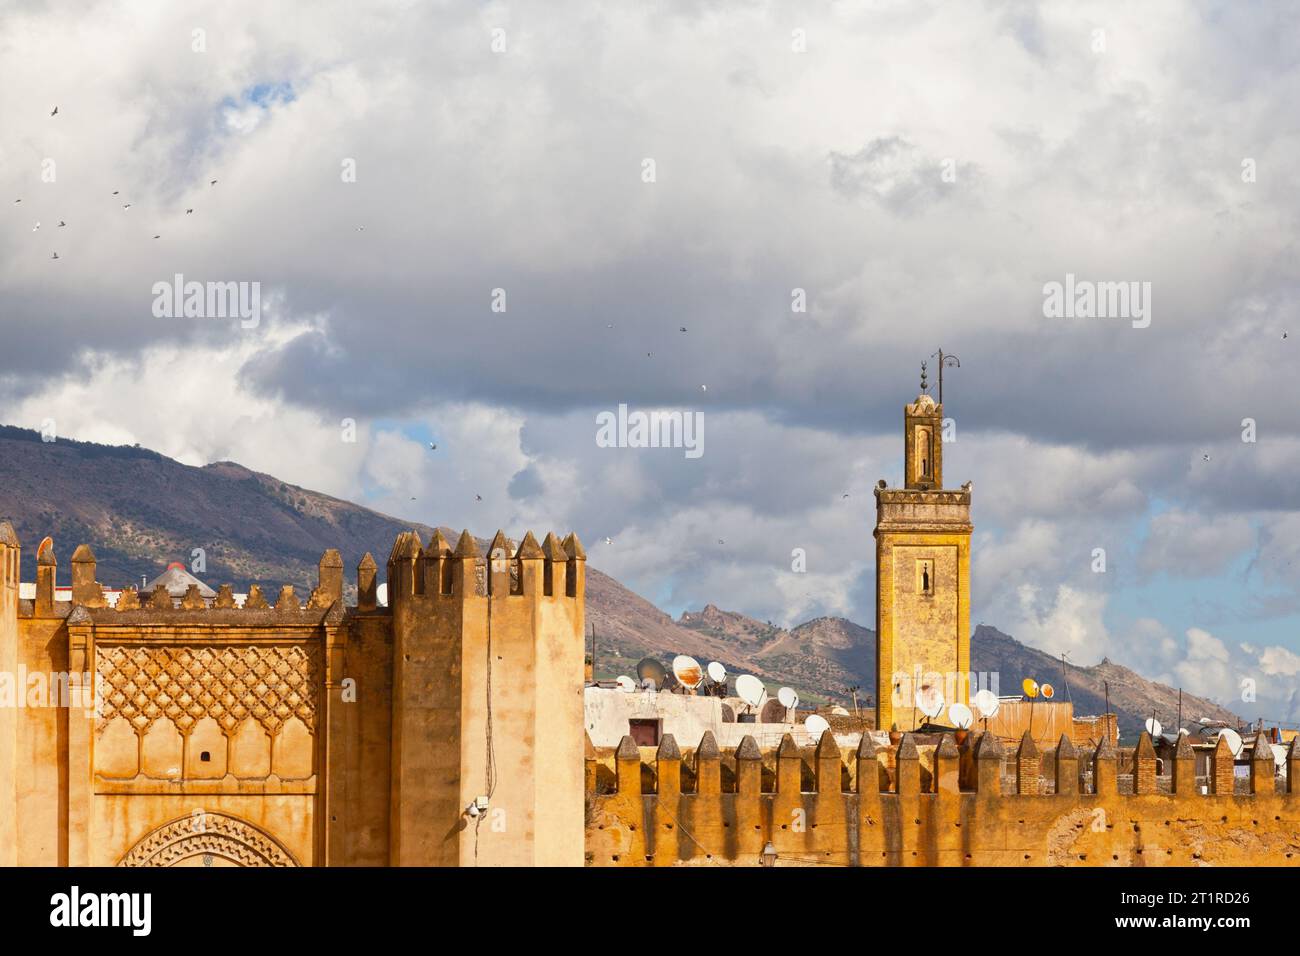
(208,839)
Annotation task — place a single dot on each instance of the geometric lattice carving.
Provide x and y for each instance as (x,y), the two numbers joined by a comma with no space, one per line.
(207,832)
(229,684)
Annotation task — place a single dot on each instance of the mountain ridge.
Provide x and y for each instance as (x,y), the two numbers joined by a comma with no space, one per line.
(140,510)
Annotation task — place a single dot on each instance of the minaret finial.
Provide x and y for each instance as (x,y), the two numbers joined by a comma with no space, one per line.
(925,386)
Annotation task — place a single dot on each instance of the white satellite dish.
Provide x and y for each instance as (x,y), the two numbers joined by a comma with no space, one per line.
(687,671)
(1233,738)
(626,684)
(961,716)
(1279,754)
(788,698)
(839,711)
(1153,727)
(750,689)
(816,725)
(1184,732)
(717,673)
(929,701)
(987,703)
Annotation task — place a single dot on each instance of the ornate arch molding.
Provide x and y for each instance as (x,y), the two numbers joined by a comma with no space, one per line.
(215,833)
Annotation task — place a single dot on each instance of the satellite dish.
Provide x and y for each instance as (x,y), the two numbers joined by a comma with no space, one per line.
(1233,738)
(750,689)
(961,716)
(650,670)
(788,698)
(840,711)
(1184,732)
(987,703)
(1279,754)
(774,712)
(717,673)
(1047,690)
(817,725)
(929,701)
(728,714)
(687,671)
(626,684)
(1030,687)
(1153,727)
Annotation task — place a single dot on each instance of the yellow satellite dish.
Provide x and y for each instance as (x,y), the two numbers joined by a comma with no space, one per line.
(1031,687)
(1048,691)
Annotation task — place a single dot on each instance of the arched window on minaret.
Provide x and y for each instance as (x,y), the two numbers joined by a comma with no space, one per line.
(923,452)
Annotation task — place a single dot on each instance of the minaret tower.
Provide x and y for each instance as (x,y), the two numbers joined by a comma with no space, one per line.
(922,576)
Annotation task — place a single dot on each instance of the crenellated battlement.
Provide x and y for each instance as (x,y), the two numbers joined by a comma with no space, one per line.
(939,803)
(553,569)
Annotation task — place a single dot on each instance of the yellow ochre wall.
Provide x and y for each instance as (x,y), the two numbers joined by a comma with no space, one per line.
(301,733)
(891,807)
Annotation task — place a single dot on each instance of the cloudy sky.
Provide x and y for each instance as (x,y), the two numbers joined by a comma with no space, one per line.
(918,170)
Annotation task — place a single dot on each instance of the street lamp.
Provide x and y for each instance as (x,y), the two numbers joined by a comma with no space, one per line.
(768,857)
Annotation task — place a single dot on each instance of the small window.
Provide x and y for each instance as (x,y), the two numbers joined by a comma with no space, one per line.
(644,731)
(205,756)
(925,577)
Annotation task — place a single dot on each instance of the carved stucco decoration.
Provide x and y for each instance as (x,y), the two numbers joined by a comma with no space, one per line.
(270,683)
(212,833)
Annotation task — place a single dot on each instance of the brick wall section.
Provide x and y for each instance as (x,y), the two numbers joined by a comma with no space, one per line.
(1221,772)
(1028,765)
(1144,765)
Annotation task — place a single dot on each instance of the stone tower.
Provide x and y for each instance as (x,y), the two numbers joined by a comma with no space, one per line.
(922,576)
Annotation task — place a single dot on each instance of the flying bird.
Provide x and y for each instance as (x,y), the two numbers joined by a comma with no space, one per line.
(609,540)
(1283,335)
(432,447)
(683,328)
(54,256)
(720,541)
(35,227)
(704,388)
(1205,457)
(126,205)
(55,111)
(846,494)
(213,183)
(478,497)
(157,237)
(188,211)
(17,200)
(116,191)
(62,223)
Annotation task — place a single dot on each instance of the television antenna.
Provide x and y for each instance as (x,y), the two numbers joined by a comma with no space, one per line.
(788,698)
(961,716)
(816,725)
(687,671)
(750,689)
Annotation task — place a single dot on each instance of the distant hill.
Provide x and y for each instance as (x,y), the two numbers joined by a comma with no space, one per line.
(140,510)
